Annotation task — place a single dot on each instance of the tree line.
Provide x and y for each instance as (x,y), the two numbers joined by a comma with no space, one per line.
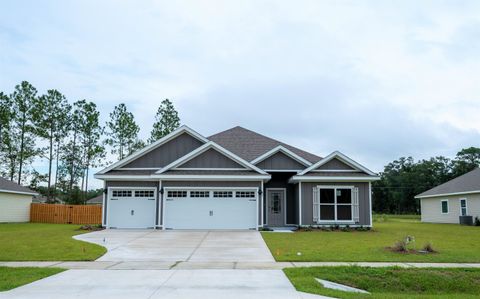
(404,178)
(69,136)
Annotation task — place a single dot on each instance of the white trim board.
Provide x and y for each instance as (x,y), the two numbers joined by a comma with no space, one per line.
(213,177)
(150,147)
(173,177)
(283,150)
(18,192)
(298,178)
(338,155)
(448,194)
(204,148)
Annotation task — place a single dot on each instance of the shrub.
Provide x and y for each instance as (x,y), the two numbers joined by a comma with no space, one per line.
(477,221)
(403,244)
(400,246)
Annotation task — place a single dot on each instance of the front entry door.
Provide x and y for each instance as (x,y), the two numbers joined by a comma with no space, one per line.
(276,207)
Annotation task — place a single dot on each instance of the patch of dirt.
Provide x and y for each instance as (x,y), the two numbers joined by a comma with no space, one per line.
(91,227)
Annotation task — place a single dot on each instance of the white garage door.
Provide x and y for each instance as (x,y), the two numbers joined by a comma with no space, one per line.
(131,208)
(210,209)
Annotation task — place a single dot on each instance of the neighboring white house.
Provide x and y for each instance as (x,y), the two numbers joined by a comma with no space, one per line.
(15,202)
(457,197)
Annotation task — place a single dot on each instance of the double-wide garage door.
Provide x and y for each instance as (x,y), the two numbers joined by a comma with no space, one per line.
(210,209)
(183,209)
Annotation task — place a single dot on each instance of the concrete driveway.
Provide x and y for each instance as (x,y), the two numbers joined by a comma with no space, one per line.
(180,246)
(160,284)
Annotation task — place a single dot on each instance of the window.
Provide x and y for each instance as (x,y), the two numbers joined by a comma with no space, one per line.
(275,203)
(245,194)
(445,206)
(199,193)
(463,207)
(144,193)
(223,194)
(177,194)
(121,193)
(335,204)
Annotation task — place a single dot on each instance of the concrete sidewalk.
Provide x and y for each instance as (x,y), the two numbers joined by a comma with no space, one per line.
(190,265)
(161,284)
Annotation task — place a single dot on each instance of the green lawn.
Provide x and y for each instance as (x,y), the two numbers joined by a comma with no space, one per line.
(45,242)
(11,278)
(454,243)
(389,282)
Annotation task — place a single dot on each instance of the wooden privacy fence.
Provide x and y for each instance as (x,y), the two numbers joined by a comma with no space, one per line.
(74,214)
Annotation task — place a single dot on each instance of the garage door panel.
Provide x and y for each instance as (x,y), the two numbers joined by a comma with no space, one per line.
(131,208)
(211,212)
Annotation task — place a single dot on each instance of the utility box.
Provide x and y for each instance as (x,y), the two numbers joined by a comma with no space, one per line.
(466,220)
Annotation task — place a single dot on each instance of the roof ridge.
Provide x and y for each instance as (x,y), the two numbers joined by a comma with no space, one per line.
(267,137)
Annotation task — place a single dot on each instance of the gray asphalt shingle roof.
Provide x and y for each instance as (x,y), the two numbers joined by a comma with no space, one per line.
(96,200)
(250,145)
(468,182)
(9,186)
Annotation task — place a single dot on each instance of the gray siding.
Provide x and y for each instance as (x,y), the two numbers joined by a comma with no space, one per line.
(307,201)
(335,164)
(166,153)
(211,159)
(233,184)
(280,161)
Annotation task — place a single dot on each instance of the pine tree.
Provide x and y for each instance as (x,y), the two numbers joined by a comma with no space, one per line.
(22,101)
(122,131)
(50,118)
(166,121)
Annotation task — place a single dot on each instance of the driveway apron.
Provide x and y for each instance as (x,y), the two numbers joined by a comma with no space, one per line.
(180,246)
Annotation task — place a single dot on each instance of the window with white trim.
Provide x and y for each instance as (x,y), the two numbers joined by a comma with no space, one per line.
(445,206)
(245,194)
(463,207)
(177,194)
(144,193)
(121,193)
(222,194)
(199,193)
(331,204)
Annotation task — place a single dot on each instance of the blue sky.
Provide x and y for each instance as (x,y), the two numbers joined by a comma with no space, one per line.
(374,79)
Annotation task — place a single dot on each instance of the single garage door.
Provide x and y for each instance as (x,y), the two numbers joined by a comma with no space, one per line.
(211,209)
(131,208)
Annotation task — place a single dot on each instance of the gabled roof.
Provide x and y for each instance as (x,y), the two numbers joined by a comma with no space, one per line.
(11,187)
(464,184)
(250,145)
(204,148)
(338,155)
(284,150)
(148,148)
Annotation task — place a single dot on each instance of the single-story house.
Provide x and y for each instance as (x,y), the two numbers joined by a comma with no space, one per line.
(457,197)
(97,200)
(44,199)
(235,179)
(15,202)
